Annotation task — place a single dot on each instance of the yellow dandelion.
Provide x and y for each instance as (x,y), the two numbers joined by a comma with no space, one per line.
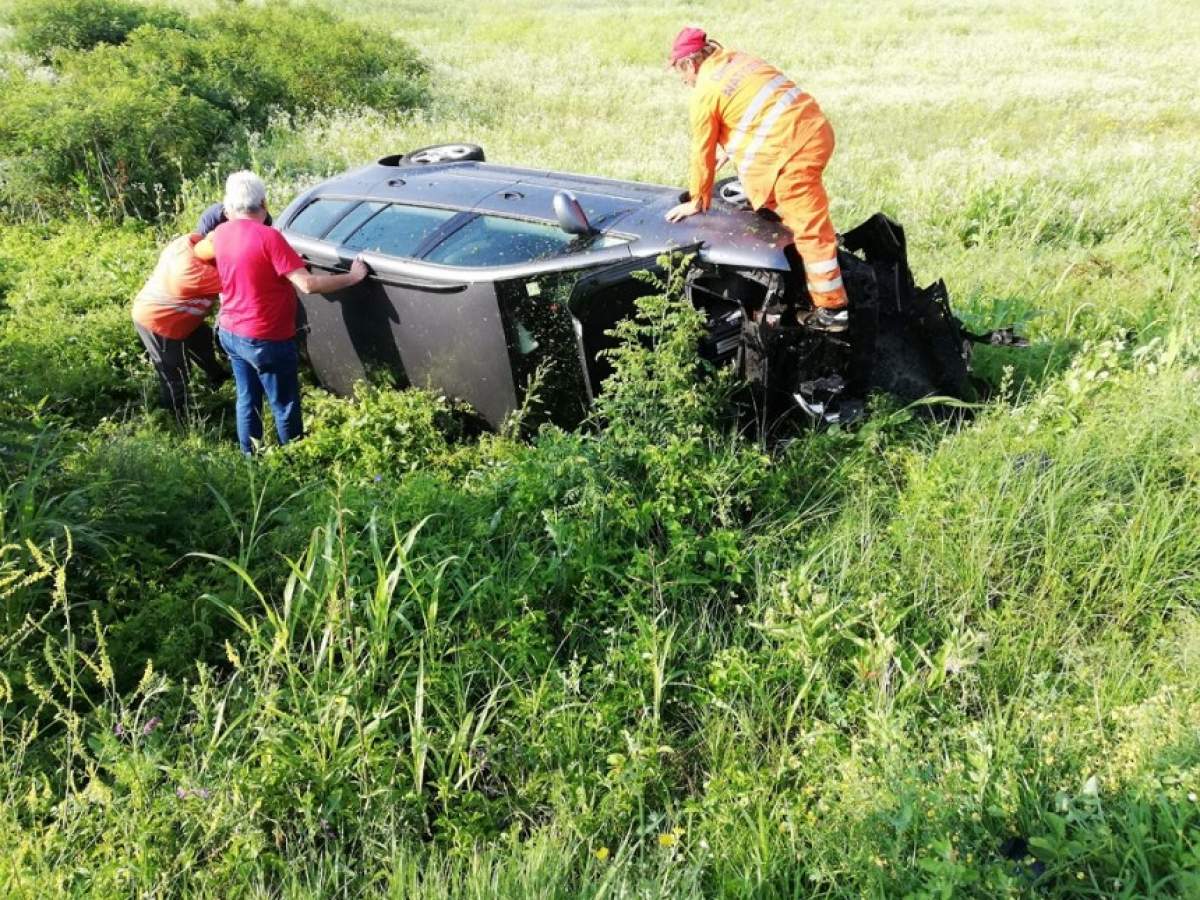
(602,854)
(667,840)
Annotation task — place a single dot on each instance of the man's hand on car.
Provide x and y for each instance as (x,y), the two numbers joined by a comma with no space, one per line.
(683,210)
(312,283)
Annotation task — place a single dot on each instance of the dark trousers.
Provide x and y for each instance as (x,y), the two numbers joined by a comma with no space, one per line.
(172,359)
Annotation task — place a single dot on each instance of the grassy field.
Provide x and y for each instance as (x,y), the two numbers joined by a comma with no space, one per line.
(645,659)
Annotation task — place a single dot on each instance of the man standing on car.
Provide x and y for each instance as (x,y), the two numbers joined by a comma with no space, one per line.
(169,313)
(259,273)
(780,142)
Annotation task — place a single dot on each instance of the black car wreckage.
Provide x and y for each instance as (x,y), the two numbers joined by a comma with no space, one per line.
(484,275)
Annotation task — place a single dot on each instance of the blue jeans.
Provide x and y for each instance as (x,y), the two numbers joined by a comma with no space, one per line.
(264,367)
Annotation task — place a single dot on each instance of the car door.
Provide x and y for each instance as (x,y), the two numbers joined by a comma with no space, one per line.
(347,336)
(448,335)
(532,267)
(344,335)
(471,305)
(440,332)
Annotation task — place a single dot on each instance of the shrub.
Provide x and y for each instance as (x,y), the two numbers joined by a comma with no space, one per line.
(301,59)
(654,392)
(66,333)
(102,140)
(252,61)
(116,128)
(382,434)
(42,27)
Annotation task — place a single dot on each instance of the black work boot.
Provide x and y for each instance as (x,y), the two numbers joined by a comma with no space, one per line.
(831,321)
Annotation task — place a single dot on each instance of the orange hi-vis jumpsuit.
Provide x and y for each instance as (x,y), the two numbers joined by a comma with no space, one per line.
(780,142)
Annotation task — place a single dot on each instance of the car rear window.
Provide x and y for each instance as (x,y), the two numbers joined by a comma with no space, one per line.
(497,241)
(314,220)
(398,230)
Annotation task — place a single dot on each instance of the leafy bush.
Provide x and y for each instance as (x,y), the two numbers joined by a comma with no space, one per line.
(655,392)
(66,335)
(381,434)
(102,140)
(43,27)
(118,127)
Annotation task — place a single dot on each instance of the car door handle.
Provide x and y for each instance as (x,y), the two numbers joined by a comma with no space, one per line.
(333,265)
(433,287)
(341,266)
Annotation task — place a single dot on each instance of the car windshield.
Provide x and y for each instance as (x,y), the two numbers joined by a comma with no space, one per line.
(498,241)
(398,230)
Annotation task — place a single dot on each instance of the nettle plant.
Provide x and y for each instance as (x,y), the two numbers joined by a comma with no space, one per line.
(654,392)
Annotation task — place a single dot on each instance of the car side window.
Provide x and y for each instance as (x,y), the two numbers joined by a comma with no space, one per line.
(353,220)
(314,220)
(398,230)
(497,241)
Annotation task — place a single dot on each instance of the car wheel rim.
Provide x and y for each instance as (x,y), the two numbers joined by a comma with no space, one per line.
(733,193)
(448,153)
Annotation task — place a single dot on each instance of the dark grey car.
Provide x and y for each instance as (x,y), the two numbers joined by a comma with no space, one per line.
(482,274)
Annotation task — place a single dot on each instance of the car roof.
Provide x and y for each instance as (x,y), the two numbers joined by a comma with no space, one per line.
(728,235)
(486,187)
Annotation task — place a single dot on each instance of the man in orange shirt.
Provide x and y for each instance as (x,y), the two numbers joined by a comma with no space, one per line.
(169,313)
(780,142)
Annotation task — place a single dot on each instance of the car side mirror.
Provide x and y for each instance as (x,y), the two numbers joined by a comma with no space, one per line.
(571,217)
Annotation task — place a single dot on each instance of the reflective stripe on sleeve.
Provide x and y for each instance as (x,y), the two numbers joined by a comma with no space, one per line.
(195,307)
(820,268)
(824,287)
(768,123)
(759,101)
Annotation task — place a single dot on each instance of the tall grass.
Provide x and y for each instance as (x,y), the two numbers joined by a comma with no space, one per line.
(942,686)
(647,658)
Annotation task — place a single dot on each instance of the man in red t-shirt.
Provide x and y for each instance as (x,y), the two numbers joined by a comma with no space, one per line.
(259,273)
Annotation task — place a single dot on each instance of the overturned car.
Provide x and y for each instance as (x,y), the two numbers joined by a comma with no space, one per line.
(483,275)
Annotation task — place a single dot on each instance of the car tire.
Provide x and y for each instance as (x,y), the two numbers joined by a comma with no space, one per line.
(730,190)
(445,153)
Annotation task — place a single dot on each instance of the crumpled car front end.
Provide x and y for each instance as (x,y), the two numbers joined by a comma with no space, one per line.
(903,340)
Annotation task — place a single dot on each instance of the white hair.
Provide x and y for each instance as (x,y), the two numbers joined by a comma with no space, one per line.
(244,193)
